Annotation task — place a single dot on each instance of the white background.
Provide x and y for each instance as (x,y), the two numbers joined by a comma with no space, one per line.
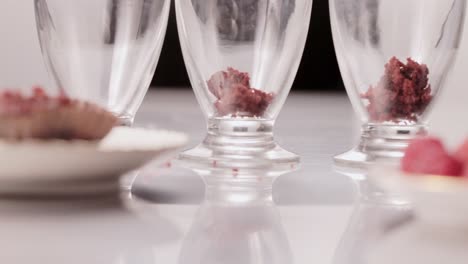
(21,64)
(20,56)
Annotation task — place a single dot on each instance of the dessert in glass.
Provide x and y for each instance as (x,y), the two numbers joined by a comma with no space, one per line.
(394,57)
(242,58)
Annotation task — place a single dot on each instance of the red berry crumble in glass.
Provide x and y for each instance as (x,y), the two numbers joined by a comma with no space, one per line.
(235,96)
(403,93)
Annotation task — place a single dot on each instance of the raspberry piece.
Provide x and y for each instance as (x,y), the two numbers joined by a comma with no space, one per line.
(428,156)
(462,152)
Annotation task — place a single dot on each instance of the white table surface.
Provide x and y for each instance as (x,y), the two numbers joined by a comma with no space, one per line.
(315,126)
(317,216)
(140,232)
(313,204)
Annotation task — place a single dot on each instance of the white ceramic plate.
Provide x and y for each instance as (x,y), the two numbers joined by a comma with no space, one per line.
(61,167)
(437,234)
(440,200)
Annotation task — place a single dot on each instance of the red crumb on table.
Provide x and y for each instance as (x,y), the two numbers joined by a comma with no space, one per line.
(235,96)
(235,172)
(403,92)
(428,155)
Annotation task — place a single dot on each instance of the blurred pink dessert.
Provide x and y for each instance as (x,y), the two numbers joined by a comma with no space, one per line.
(461,154)
(428,155)
(45,117)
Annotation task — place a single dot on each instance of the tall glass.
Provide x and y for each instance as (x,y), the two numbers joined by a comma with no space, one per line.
(103,51)
(394,57)
(242,57)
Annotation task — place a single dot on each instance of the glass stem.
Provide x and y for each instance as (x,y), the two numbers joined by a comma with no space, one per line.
(239,192)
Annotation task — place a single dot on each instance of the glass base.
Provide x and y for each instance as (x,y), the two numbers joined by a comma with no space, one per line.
(239,194)
(242,146)
(125,120)
(379,143)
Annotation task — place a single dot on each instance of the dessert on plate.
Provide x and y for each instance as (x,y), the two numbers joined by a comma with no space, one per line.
(41,116)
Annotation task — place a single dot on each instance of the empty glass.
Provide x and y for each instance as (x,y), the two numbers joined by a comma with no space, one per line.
(394,56)
(103,51)
(242,57)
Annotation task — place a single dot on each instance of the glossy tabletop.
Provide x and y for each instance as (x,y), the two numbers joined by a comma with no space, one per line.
(316,126)
(167,220)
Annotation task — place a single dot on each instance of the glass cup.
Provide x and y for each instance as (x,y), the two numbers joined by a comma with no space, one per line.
(103,51)
(242,58)
(394,56)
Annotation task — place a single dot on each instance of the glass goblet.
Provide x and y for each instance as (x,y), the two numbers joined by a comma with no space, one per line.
(242,57)
(103,51)
(394,56)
